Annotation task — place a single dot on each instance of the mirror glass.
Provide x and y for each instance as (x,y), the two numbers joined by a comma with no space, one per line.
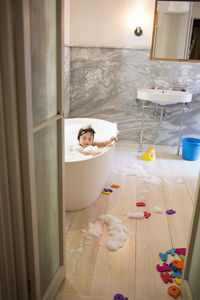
(176,32)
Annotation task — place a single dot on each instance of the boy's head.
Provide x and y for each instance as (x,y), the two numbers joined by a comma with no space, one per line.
(86,136)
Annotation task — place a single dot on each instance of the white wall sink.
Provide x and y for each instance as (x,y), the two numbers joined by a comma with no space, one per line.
(164,97)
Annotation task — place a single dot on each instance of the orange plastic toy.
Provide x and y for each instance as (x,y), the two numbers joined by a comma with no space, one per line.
(179,264)
(115,186)
(174,291)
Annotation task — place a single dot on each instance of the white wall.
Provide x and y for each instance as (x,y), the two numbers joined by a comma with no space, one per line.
(111,23)
(66,22)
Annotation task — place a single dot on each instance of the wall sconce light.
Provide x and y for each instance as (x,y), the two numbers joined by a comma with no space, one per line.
(138,31)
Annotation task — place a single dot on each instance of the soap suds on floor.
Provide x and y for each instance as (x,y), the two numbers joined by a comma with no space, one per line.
(80,250)
(117,231)
(136,215)
(179,180)
(109,219)
(158,210)
(137,171)
(94,231)
(166,181)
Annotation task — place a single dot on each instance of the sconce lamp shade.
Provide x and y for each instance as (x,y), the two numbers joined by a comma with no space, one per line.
(138,31)
(178,7)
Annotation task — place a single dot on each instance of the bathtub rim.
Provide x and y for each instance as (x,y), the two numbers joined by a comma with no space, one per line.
(88,158)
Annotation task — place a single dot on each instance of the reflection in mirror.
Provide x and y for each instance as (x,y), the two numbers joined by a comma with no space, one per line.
(176,34)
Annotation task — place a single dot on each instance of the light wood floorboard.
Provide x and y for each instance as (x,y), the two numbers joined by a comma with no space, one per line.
(97,273)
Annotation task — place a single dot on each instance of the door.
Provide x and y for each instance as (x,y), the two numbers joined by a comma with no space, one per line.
(190,283)
(38,43)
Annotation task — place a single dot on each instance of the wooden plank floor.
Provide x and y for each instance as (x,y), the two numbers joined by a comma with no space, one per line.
(96,272)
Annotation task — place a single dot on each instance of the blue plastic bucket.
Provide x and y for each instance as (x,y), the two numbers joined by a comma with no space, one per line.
(191,148)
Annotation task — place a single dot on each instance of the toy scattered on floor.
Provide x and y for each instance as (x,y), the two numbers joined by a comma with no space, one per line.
(140,204)
(163,256)
(176,266)
(182,256)
(147,215)
(174,291)
(180,251)
(106,193)
(108,190)
(176,275)
(175,269)
(178,263)
(165,267)
(158,210)
(171,251)
(150,155)
(136,215)
(170,211)
(166,277)
(120,297)
(178,281)
(115,186)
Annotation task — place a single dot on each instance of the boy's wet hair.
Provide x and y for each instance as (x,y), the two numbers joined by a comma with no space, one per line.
(85,130)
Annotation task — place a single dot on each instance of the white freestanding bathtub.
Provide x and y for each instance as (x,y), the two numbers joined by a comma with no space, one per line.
(85,176)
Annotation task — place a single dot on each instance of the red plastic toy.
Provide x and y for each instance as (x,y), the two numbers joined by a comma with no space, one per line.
(140,204)
(146,214)
(166,277)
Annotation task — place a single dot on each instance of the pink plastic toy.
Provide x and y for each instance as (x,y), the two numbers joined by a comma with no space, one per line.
(163,268)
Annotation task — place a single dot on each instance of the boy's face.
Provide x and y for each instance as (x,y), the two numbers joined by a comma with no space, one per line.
(86,139)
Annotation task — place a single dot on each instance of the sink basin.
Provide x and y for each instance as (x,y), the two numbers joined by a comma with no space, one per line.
(164,97)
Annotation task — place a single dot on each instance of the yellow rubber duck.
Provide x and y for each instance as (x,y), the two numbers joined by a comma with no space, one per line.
(150,155)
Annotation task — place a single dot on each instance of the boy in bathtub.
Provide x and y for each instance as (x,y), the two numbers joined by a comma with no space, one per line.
(86,144)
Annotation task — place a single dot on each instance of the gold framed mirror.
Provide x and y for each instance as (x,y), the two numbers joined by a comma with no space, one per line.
(176,31)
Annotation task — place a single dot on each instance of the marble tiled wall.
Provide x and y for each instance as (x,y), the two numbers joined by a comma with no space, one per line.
(66,104)
(104,82)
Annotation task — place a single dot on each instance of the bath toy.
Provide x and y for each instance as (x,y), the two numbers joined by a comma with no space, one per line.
(180,251)
(115,186)
(171,251)
(176,275)
(147,215)
(163,268)
(170,211)
(178,263)
(120,297)
(174,291)
(150,155)
(108,190)
(166,277)
(182,256)
(175,269)
(178,281)
(163,256)
(140,204)
(106,193)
